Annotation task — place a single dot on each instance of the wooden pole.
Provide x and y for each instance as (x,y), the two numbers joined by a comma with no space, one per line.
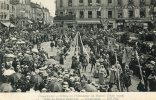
(139,66)
(118,72)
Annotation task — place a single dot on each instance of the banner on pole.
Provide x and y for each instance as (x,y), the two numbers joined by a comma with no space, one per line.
(127,55)
(111,44)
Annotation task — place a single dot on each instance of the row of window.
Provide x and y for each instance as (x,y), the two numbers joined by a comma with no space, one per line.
(119,2)
(3,15)
(131,14)
(4,6)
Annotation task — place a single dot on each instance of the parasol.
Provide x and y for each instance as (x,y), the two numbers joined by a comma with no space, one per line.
(133,38)
(37,79)
(20,42)
(90,88)
(35,50)
(9,56)
(5,87)
(14,39)
(120,33)
(8,72)
(15,77)
(55,87)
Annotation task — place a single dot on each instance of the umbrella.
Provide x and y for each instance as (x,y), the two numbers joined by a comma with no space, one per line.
(14,39)
(20,42)
(15,77)
(27,57)
(35,50)
(120,33)
(5,87)
(55,87)
(90,88)
(10,56)
(37,79)
(133,38)
(8,72)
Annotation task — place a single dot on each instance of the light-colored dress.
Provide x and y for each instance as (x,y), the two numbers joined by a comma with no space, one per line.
(113,76)
(102,76)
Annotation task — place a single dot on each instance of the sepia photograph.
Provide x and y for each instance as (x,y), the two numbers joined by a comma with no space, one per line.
(49,46)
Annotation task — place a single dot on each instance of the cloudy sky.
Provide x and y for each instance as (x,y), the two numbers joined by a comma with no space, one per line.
(50,4)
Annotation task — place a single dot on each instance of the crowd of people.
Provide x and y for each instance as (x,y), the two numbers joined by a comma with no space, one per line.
(143,66)
(25,68)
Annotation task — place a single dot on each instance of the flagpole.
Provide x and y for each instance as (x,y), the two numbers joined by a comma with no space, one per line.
(118,72)
(139,65)
(83,45)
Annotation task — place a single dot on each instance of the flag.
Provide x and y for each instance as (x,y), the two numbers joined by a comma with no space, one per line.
(127,55)
(99,9)
(9,27)
(104,22)
(75,44)
(65,12)
(111,44)
(125,13)
(137,56)
(124,57)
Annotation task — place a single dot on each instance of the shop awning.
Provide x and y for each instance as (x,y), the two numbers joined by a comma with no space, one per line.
(69,22)
(8,24)
(29,21)
(89,22)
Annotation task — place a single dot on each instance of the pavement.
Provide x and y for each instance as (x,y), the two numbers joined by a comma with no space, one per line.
(68,62)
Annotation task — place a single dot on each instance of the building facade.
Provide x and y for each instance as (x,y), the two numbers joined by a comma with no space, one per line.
(25,13)
(37,12)
(103,13)
(46,16)
(4,10)
(22,13)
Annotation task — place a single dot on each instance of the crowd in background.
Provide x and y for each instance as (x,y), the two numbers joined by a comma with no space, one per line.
(27,69)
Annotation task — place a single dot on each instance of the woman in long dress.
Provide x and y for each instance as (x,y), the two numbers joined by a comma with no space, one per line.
(113,76)
(62,59)
(102,76)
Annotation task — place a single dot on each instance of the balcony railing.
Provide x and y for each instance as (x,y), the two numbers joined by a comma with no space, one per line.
(65,17)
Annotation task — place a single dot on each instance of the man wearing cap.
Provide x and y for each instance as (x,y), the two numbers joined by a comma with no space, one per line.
(92,61)
(84,63)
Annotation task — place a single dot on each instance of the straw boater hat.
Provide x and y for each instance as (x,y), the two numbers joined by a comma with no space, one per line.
(66,72)
(44,90)
(83,90)
(28,77)
(65,83)
(18,90)
(49,79)
(60,80)
(152,62)
(72,79)
(65,86)
(67,90)
(72,89)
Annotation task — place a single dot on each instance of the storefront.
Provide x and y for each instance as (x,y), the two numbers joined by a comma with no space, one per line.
(88,23)
(120,24)
(133,24)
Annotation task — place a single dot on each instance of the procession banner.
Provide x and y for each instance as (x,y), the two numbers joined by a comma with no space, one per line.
(111,44)
(141,74)
(127,55)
